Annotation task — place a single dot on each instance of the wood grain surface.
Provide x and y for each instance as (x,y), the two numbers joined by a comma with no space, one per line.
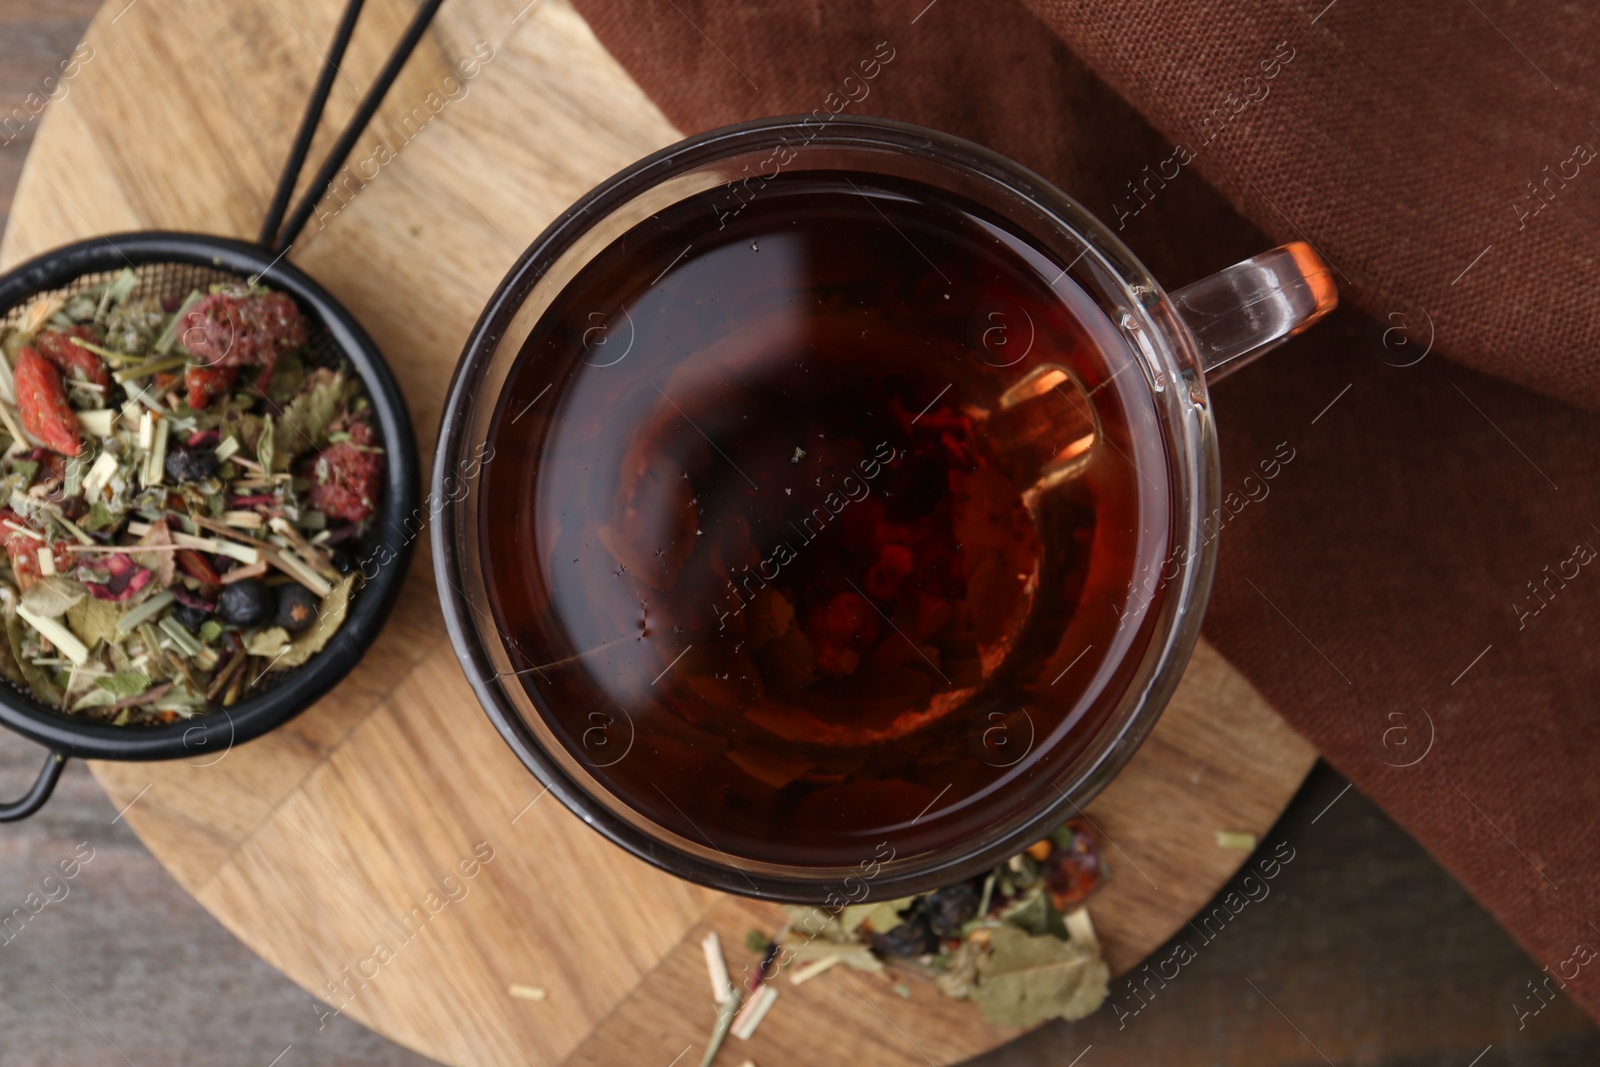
(338,846)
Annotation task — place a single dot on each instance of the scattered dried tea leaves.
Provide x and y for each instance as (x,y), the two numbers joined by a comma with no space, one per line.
(1024,979)
(1000,940)
(719,1031)
(716,967)
(960,975)
(1239,839)
(885,915)
(744,1026)
(851,954)
(803,974)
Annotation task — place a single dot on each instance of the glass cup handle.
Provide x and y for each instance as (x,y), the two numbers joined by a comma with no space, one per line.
(1252,307)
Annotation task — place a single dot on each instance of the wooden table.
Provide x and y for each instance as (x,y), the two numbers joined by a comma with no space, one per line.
(318,843)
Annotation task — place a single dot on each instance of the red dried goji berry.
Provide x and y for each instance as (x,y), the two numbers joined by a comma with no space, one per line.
(204,383)
(74,360)
(42,403)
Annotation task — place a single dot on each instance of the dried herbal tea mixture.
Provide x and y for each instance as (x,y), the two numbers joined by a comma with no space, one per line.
(1016,941)
(181,491)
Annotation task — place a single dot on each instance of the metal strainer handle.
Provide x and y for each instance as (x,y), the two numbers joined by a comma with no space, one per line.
(278,241)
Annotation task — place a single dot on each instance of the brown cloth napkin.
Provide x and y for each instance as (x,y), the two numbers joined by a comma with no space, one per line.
(1419,594)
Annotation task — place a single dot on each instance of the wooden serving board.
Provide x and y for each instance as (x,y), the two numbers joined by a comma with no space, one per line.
(334,846)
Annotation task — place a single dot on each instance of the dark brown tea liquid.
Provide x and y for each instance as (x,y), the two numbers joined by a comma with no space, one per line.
(836,525)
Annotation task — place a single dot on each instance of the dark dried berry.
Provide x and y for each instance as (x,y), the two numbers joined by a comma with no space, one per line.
(911,938)
(948,909)
(246,603)
(189,618)
(297,607)
(191,464)
(343,558)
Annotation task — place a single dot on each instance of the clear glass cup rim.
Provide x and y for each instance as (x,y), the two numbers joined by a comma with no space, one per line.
(1146,317)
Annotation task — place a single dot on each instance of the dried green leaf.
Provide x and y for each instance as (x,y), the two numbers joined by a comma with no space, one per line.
(116,291)
(94,698)
(265,443)
(851,916)
(813,922)
(210,630)
(125,683)
(99,517)
(38,681)
(10,667)
(133,325)
(53,596)
(94,620)
(882,916)
(163,343)
(79,308)
(1024,980)
(180,699)
(1030,911)
(306,417)
(269,642)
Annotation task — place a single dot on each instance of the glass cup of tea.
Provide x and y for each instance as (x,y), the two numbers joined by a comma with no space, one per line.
(820,505)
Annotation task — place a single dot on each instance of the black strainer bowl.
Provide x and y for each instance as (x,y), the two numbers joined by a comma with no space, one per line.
(170,265)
